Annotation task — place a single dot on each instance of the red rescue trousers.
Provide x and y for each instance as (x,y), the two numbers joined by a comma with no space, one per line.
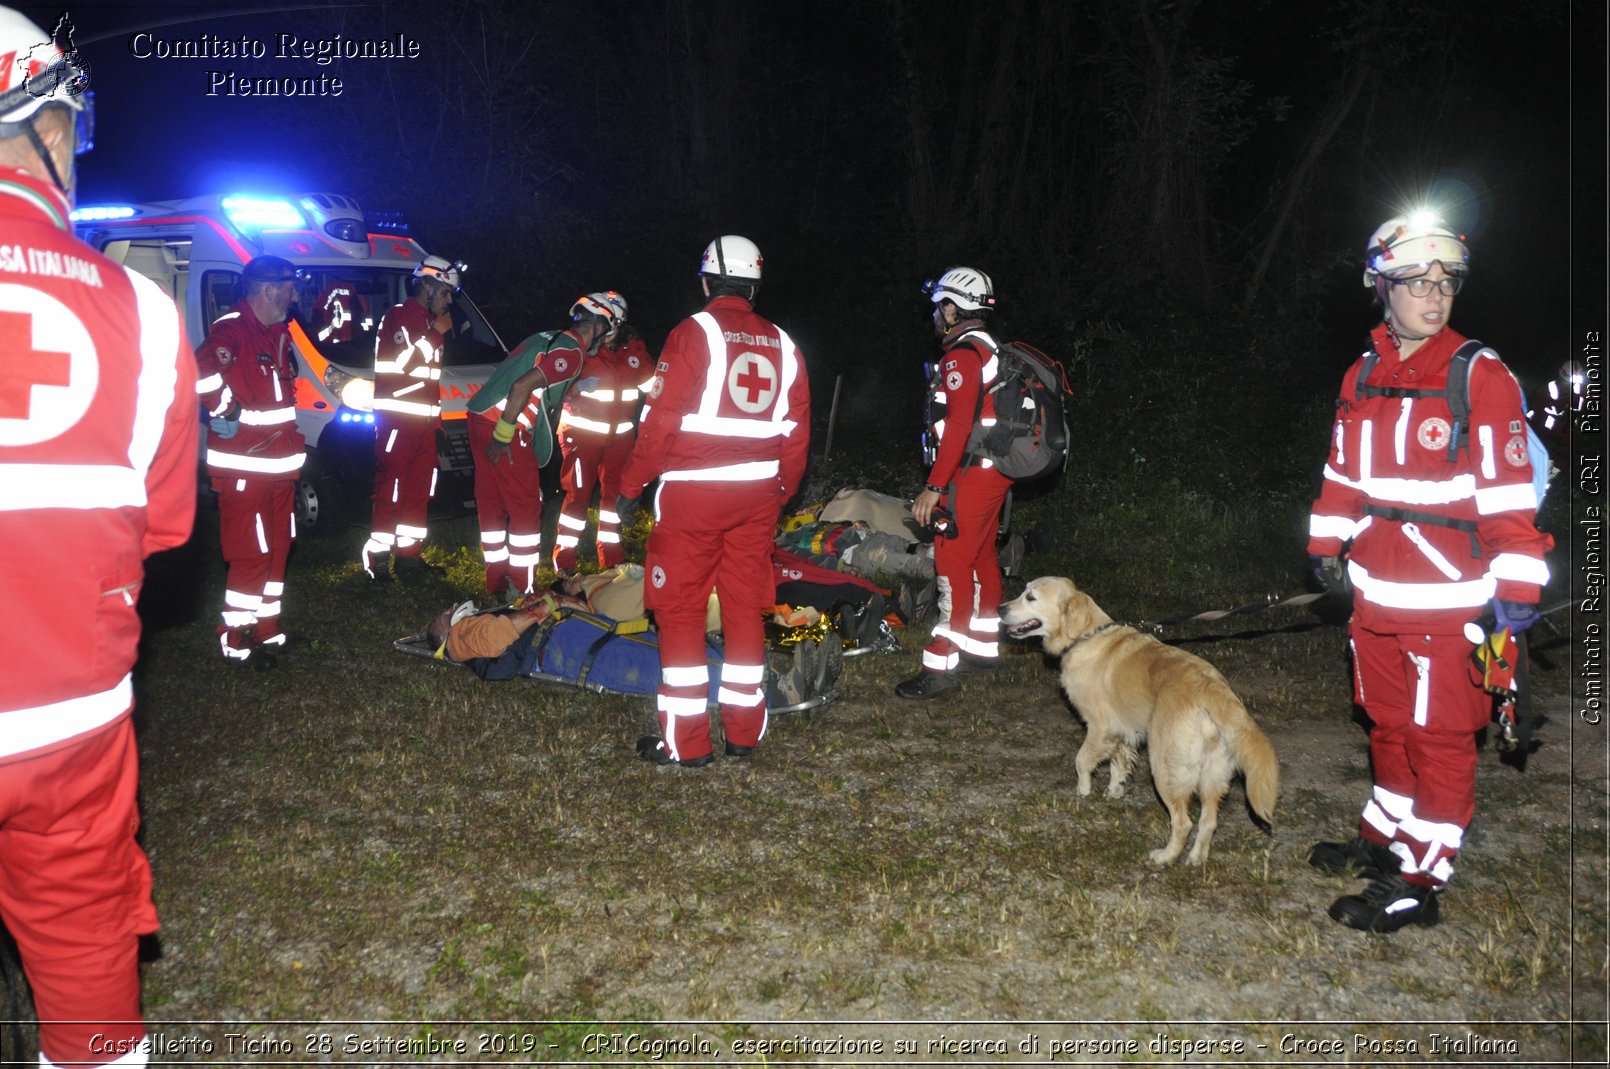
(1425,708)
(405,481)
(591,460)
(75,891)
(508,502)
(256,526)
(703,538)
(969,570)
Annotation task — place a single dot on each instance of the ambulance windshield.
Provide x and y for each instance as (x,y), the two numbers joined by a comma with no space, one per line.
(340,307)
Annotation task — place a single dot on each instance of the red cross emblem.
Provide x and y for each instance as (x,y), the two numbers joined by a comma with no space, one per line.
(25,367)
(49,374)
(1434,433)
(752,382)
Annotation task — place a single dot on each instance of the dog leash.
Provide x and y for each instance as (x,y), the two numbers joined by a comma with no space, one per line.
(1272,601)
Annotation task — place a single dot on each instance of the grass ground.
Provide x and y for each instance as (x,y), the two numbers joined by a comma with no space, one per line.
(365,858)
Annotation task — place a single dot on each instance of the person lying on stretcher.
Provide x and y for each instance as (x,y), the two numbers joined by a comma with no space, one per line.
(480,638)
(464,633)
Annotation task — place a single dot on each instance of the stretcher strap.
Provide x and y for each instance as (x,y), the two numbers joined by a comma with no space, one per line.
(609,629)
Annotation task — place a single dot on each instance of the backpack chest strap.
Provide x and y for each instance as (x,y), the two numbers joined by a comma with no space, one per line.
(1416,516)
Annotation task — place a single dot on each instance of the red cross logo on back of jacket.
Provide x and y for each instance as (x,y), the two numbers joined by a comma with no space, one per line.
(752,383)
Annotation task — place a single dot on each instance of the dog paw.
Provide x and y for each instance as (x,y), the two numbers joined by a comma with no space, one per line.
(1116,790)
(1162,856)
(1084,789)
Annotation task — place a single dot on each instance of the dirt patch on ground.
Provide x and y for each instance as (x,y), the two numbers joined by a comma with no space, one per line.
(368,858)
(883,882)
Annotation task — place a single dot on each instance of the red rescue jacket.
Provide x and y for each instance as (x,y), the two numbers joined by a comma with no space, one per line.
(1433,538)
(965,371)
(249,363)
(408,363)
(730,406)
(98,462)
(603,402)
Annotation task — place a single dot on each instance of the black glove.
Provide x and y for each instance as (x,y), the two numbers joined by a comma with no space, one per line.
(1332,575)
(1514,616)
(627,509)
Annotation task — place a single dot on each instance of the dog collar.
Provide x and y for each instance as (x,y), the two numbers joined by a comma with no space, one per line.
(1108,626)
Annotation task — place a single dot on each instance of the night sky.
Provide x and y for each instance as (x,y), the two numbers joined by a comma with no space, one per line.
(1103,160)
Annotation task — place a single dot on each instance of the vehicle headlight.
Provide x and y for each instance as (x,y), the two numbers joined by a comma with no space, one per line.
(351,390)
(358,393)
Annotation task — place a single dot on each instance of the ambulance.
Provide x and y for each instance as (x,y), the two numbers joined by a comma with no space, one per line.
(350,269)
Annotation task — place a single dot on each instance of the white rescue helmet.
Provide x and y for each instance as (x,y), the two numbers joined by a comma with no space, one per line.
(439,268)
(731,256)
(35,72)
(967,288)
(608,304)
(1406,246)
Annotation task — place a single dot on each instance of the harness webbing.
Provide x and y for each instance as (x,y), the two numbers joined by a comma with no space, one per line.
(1456,390)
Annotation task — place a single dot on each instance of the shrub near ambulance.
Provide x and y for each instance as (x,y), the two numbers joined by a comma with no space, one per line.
(350,270)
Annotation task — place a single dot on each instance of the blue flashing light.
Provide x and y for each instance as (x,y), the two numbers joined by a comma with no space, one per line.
(102,212)
(386,222)
(263,213)
(349,416)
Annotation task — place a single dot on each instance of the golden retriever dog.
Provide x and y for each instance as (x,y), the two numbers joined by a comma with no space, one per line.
(1129,688)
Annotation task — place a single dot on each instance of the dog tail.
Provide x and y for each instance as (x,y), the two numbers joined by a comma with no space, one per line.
(1254,754)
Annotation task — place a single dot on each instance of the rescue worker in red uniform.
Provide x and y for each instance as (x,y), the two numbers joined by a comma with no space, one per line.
(510,452)
(247,385)
(726,432)
(968,487)
(596,432)
(1437,521)
(408,415)
(98,460)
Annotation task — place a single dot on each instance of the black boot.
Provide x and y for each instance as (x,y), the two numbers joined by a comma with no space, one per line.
(651,748)
(926,684)
(829,663)
(1389,903)
(967,662)
(1357,856)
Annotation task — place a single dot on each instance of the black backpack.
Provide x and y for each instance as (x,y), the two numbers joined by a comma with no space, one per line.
(1030,436)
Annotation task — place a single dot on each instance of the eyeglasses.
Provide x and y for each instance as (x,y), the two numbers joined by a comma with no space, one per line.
(1421,287)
